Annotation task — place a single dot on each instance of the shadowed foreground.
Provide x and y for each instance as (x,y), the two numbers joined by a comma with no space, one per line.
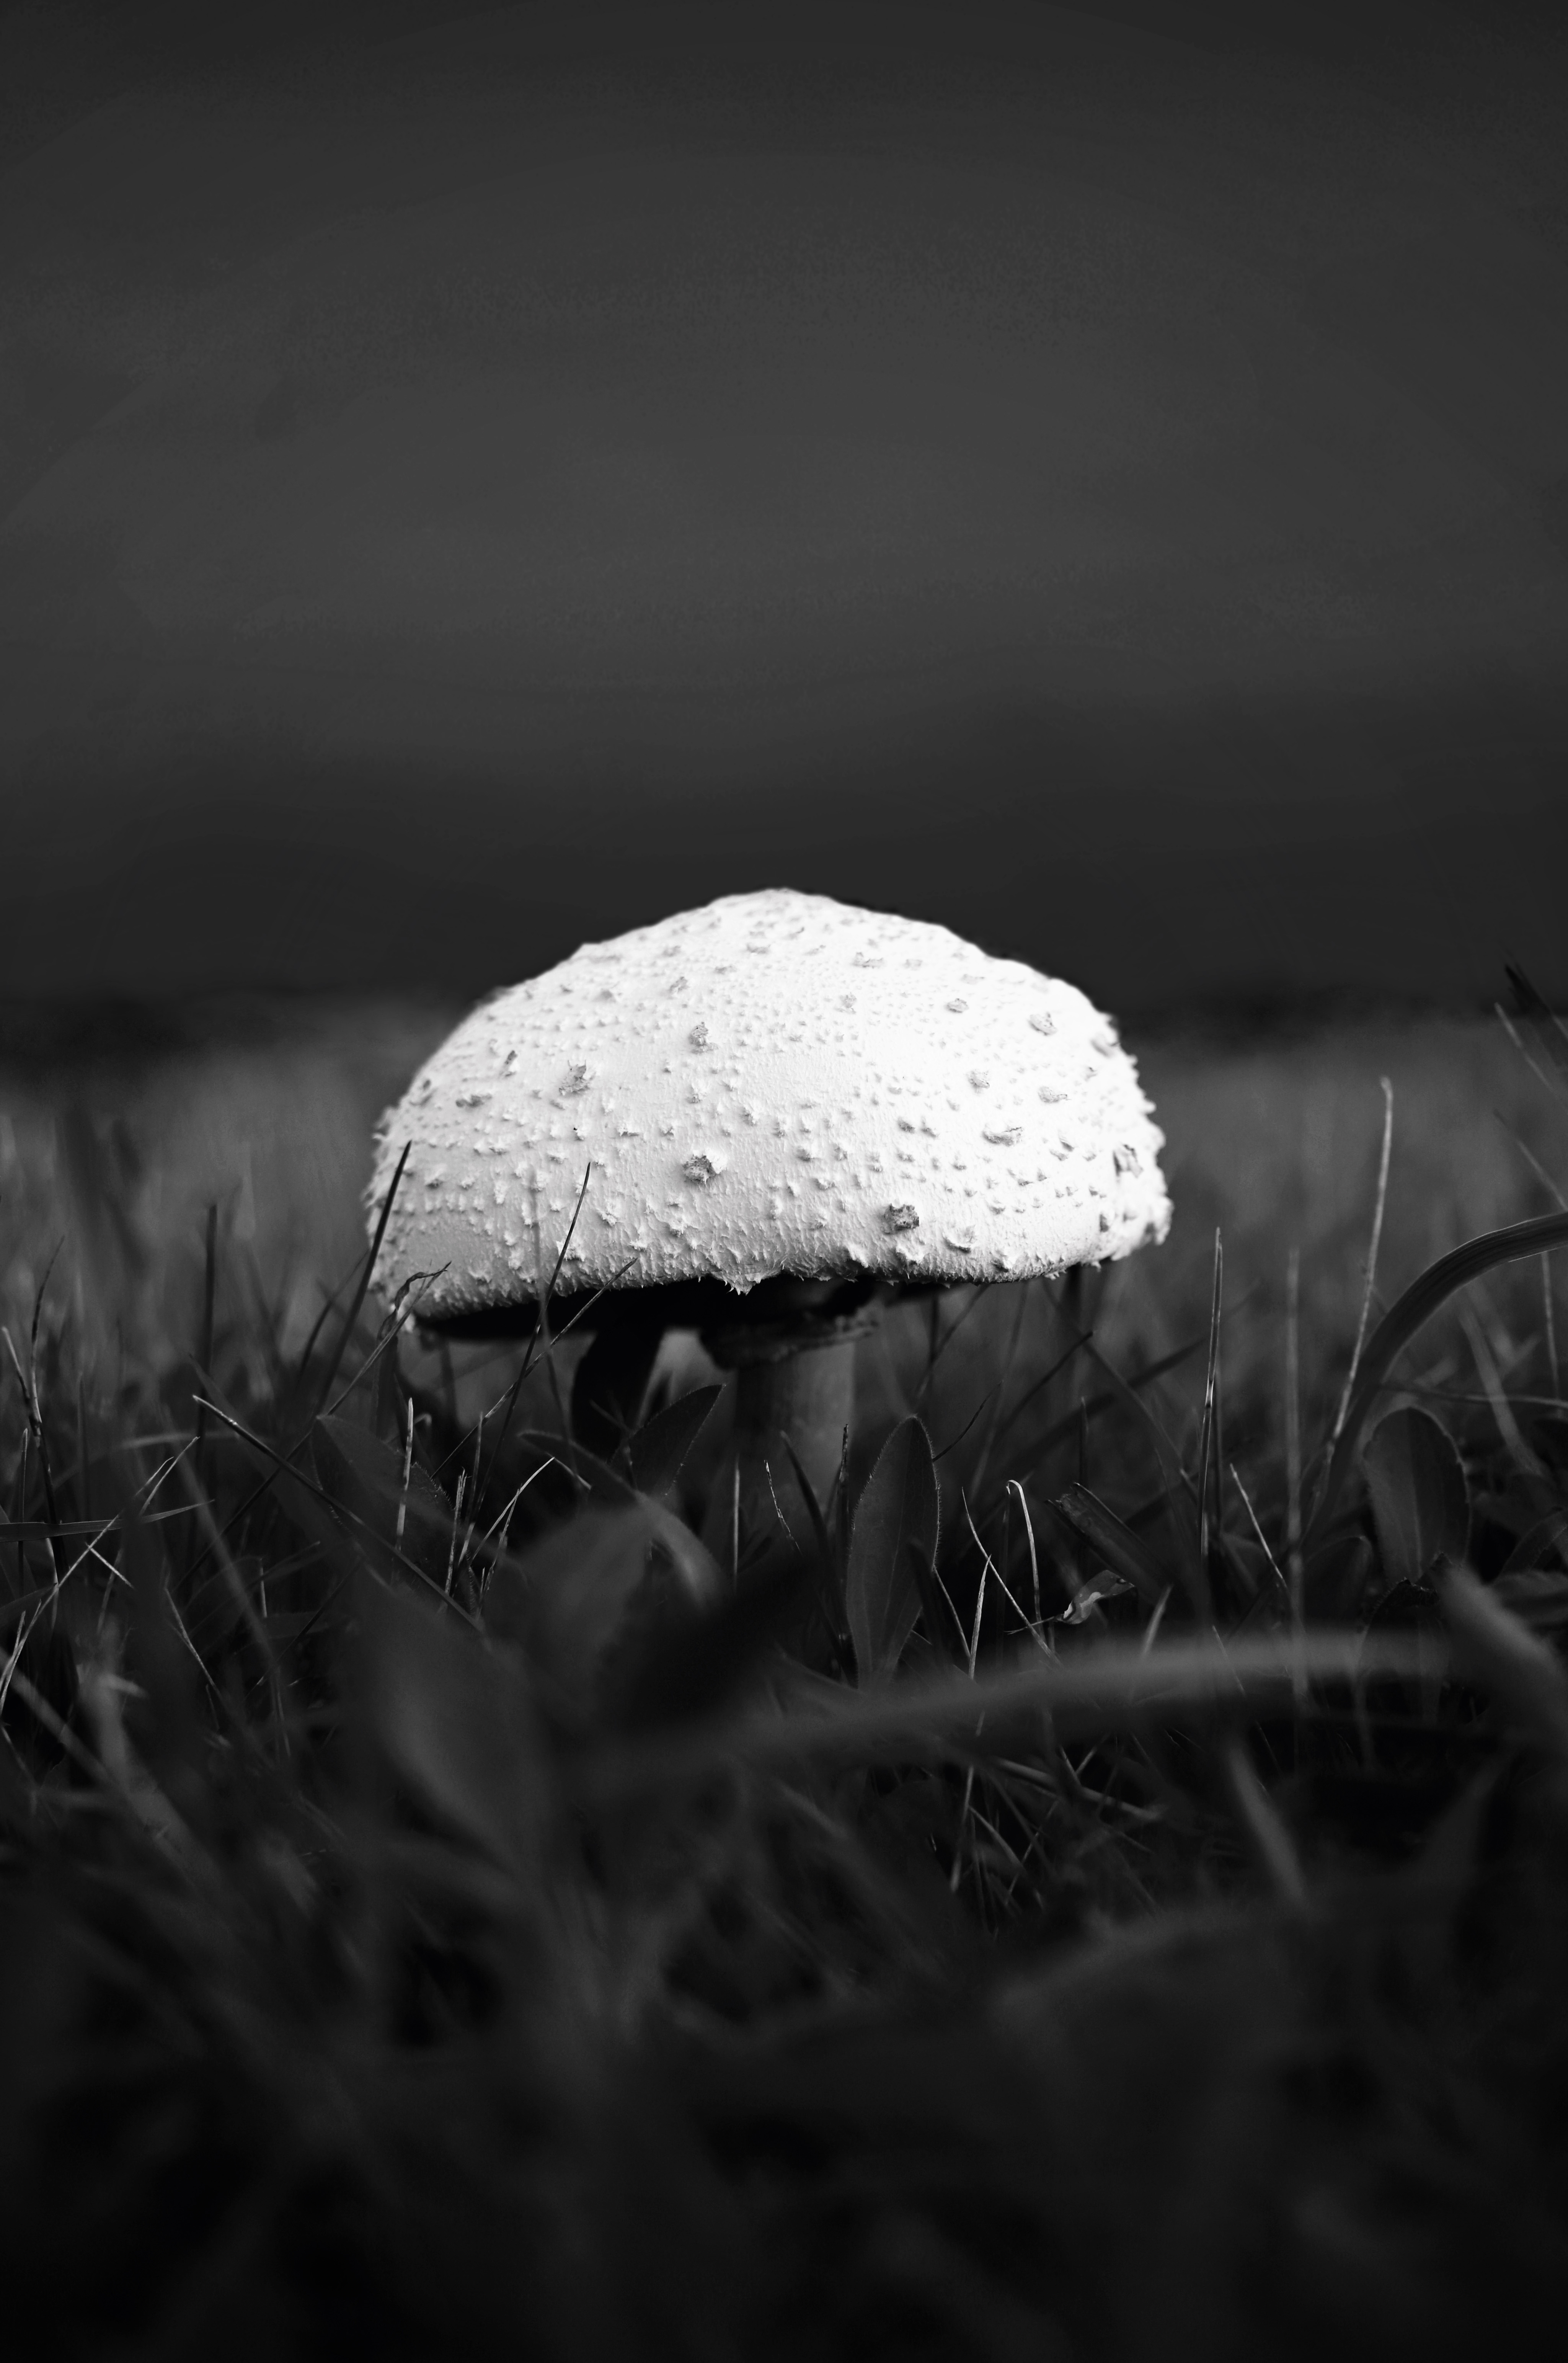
(1101,1896)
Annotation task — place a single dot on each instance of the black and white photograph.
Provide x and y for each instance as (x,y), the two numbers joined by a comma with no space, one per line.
(783,1181)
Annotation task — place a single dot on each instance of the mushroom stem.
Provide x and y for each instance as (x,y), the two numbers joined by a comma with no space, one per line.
(795,1387)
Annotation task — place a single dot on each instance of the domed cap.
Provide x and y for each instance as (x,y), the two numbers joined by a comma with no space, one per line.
(776,1084)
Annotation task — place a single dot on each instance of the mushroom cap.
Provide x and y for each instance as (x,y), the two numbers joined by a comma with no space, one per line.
(776,1084)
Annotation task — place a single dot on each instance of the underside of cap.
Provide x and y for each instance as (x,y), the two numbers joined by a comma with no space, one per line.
(774,1084)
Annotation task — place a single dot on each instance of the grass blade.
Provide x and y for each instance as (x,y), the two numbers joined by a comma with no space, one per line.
(893,1534)
(1495,1649)
(1124,1551)
(1112,1687)
(1370,1284)
(335,1362)
(658,1453)
(1420,1501)
(1413,1311)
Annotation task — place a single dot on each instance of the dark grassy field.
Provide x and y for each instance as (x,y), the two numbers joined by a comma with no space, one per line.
(443,1909)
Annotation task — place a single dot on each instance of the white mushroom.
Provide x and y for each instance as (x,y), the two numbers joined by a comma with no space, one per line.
(791,1103)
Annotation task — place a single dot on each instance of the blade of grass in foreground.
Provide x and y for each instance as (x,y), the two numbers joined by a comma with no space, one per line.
(1547,1028)
(1414,1309)
(1370,1279)
(1104,1689)
(1124,1552)
(336,1360)
(1523,1675)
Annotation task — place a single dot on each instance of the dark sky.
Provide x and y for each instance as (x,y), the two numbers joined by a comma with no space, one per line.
(470,479)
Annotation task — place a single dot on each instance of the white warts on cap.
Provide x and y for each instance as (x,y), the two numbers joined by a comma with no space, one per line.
(858,1037)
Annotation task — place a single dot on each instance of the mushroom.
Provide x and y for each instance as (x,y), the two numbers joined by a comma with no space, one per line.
(787,1110)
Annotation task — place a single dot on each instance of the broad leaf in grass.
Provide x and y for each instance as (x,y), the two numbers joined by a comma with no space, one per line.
(611,1379)
(452,1717)
(892,1542)
(1420,1502)
(1497,1650)
(608,1489)
(658,1453)
(1125,1553)
(366,1475)
(681,1662)
(566,1597)
(1414,1310)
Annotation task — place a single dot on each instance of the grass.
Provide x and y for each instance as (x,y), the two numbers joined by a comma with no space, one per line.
(444,1909)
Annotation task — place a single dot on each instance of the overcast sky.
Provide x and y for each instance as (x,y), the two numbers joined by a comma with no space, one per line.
(473,478)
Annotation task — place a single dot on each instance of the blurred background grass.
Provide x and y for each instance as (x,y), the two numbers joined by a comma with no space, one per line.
(264,1108)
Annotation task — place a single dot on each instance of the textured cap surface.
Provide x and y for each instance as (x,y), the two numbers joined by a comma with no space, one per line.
(774,1083)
